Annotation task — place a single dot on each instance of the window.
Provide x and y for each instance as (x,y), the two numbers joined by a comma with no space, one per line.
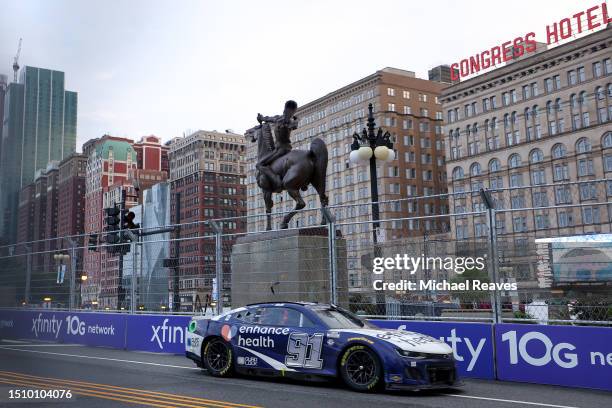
(572,78)
(559,151)
(560,172)
(588,191)
(585,167)
(583,145)
(494,165)
(597,69)
(548,85)
(581,74)
(526,92)
(563,195)
(516,180)
(390,92)
(475,169)
(391,106)
(514,161)
(590,215)
(408,110)
(406,94)
(606,141)
(536,156)
(457,173)
(538,177)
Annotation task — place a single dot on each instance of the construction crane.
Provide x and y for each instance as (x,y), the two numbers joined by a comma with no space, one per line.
(16,62)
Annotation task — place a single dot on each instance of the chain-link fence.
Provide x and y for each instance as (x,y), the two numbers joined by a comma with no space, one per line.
(475,264)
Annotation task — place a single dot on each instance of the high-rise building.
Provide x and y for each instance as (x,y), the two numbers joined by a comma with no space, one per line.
(3,86)
(147,258)
(109,160)
(40,119)
(113,168)
(207,178)
(443,74)
(407,107)
(539,129)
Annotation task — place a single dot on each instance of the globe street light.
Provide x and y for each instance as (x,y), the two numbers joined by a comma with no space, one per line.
(372,146)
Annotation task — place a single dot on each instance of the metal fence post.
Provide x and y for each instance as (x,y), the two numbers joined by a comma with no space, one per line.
(218,266)
(495,296)
(331,253)
(28,274)
(134,281)
(73,263)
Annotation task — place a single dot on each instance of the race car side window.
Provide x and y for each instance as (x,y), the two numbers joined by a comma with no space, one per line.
(284,316)
(251,315)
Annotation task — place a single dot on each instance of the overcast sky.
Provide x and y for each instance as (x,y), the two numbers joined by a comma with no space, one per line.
(165,67)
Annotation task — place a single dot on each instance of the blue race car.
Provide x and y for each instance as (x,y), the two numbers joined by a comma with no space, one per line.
(317,341)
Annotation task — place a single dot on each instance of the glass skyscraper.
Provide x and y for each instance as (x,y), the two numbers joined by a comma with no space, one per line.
(39,126)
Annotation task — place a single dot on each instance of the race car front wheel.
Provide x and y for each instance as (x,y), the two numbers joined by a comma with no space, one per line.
(217,358)
(360,368)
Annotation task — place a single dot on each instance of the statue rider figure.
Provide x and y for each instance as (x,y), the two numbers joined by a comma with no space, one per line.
(281,127)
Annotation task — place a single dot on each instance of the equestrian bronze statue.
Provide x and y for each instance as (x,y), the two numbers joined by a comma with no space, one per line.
(281,168)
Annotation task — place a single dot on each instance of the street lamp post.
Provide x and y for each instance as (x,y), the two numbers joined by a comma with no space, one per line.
(369,146)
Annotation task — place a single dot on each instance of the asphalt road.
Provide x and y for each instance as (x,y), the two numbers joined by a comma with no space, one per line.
(99,377)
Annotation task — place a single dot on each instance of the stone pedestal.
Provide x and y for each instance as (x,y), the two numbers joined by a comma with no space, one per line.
(283,266)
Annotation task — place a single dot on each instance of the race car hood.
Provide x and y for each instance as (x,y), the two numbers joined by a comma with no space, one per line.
(405,340)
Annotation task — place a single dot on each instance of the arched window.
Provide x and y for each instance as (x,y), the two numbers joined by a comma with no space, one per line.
(457,173)
(475,169)
(559,105)
(609,90)
(494,165)
(514,118)
(559,151)
(606,141)
(514,161)
(527,113)
(475,128)
(583,145)
(506,120)
(536,156)
(535,111)
(600,94)
(573,101)
(549,107)
(583,98)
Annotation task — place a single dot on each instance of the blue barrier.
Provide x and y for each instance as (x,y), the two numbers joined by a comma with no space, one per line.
(472,343)
(159,333)
(92,329)
(572,356)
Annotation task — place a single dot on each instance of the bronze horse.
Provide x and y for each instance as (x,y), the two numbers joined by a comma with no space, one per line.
(294,171)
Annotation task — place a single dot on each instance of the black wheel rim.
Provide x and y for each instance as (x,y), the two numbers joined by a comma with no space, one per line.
(361,367)
(217,356)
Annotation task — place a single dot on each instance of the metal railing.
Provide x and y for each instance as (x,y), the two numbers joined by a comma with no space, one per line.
(551,282)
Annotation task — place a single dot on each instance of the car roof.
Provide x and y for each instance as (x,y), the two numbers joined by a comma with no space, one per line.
(305,304)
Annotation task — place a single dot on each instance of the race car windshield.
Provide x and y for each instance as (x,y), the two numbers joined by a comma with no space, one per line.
(340,319)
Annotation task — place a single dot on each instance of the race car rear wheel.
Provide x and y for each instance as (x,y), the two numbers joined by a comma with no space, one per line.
(360,368)
(217,358)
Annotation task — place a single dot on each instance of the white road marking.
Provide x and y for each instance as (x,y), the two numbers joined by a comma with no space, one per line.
(539,404)
(43,345)
(12,341)
(99,358)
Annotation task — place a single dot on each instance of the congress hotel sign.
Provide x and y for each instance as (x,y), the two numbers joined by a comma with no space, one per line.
(581,22)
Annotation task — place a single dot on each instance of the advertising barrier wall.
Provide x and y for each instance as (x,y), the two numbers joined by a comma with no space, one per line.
(472,343)
(574,356)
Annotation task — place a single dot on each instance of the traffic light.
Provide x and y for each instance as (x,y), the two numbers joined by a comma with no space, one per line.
(93,242)
(112,228)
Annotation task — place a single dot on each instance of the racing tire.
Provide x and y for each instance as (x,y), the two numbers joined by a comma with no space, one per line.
(360,369)
(218,358)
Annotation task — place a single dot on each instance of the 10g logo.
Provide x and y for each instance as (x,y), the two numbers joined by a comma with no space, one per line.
(75,326)
(552,351)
